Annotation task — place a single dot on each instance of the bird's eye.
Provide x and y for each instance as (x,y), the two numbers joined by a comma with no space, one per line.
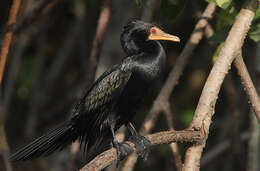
(153,30)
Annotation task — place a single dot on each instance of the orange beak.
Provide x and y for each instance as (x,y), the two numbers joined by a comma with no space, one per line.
(158,34)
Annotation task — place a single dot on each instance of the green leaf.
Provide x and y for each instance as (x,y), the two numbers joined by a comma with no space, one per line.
(257,14)
(225,17)
(187,115)
(172,9)
(211,1)
(256,19)
(139,2)
(220,35)
(221,3)
(254,32)
(216,53)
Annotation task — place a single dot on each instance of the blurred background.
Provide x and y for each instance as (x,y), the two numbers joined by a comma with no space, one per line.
(49,67)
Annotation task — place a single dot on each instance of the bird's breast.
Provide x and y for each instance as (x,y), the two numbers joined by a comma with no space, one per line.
(131,98)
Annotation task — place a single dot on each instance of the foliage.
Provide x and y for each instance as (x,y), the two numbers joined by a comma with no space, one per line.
(221,3)
(139,2)
(226,17)
(172,9)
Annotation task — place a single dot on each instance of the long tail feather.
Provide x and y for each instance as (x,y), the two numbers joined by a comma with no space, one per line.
(54,140)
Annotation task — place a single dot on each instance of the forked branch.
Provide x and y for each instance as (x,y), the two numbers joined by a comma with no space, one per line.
(166,137)
(206,105)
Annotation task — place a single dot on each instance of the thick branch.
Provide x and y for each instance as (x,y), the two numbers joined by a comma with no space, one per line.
(166,137)
(248,84)
(230,50)
(206,105)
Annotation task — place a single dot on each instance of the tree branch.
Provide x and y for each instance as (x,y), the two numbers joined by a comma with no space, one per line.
(248,85)
(205,109)
(106,158)
(4,149)
(253,157)
(32,15)
(99,37)
(173,146)
(218,149)
(8,36)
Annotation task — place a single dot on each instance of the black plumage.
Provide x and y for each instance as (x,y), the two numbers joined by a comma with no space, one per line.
(113,99)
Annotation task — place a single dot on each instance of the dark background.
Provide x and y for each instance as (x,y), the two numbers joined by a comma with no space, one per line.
(48,69)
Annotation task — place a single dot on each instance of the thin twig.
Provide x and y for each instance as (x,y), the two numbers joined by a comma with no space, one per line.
(208,31)
(248,85)
(220,148)
(32,15)
(15,67)
(173,146)
(8,36)
(165,137)
(232,98)
(38,93)
(99,37)
(4,149)
(103,21)
(253,157)
(205,109)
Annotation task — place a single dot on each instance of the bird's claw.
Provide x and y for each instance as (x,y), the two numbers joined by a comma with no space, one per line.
(142,146)
(123,150)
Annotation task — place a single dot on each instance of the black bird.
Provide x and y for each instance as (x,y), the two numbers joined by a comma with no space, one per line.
(114,98)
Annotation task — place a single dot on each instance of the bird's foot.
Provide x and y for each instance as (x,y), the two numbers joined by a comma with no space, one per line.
(123,150)
(142,145)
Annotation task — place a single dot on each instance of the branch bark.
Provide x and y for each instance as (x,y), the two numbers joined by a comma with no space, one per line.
(248,85)
(206,105)
(165,137)
(8,36)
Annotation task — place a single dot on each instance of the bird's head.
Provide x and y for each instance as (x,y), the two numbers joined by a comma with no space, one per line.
(137,35)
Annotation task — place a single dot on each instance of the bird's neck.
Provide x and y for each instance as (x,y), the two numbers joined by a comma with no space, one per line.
(149,62)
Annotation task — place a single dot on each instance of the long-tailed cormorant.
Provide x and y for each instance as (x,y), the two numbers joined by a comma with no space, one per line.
(112,100)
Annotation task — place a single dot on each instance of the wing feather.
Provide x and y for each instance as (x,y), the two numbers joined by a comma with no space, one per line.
(94,108)
(107,90)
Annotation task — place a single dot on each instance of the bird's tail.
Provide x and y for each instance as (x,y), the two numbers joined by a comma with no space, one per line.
(54,140)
